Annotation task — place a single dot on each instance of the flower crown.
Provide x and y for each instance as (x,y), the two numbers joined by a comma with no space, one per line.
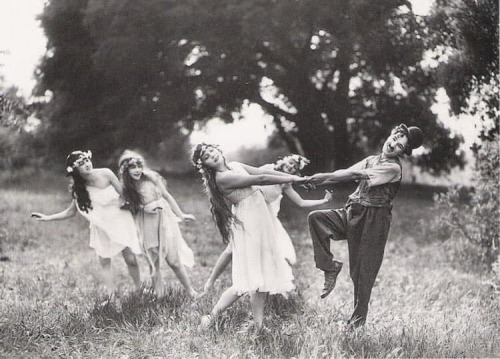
(199,163)
(78,161)
(301,161)
(131,161)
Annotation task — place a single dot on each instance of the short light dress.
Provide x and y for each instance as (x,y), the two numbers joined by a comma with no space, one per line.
(158,226)
(273,195)
(111,229)
(257,263)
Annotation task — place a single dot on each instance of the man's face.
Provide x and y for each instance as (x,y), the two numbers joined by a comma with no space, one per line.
(395,144)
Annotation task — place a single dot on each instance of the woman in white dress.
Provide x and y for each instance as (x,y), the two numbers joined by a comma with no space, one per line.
(246,224)
(96,196)
(273,194)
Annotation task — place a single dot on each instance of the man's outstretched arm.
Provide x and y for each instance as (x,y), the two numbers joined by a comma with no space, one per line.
(337,176)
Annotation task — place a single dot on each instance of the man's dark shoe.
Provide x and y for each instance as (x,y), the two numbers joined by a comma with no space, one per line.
(331,279)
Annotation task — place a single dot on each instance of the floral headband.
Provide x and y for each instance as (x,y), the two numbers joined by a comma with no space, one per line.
(131,161)
(82,156)
(301,161)
(199,163)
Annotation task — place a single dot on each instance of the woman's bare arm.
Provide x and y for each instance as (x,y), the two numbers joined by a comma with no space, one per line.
(115,182)
(263,170)
(303,203)
(238,180)
(172,202)
(67,213)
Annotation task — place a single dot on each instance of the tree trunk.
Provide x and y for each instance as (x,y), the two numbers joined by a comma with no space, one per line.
(316,141)
(339,110)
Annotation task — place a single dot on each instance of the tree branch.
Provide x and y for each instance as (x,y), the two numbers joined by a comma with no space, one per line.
(271,108)
(272,56)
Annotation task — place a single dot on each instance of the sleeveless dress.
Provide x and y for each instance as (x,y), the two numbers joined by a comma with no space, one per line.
(273,195)
(111,229)
(158,227)
(257,263)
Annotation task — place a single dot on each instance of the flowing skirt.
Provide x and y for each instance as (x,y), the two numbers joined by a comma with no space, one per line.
(111,229)
(258,264)
(158,228)
(284,241)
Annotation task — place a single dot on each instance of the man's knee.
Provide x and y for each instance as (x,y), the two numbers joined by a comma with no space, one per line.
(314,217)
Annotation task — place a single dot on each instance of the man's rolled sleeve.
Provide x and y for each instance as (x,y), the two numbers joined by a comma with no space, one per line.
(359,166)
(382,173)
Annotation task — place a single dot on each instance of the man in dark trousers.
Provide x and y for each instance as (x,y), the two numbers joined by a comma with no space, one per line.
(366,218)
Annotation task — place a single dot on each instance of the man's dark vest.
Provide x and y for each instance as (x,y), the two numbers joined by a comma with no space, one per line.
(376,196)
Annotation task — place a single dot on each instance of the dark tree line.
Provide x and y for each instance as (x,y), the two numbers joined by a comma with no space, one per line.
(335,75)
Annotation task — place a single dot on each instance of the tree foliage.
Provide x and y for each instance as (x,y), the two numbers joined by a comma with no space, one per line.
(466,31)
(17,145)
(68,72)
(335,75)
(470,216)
(14,111)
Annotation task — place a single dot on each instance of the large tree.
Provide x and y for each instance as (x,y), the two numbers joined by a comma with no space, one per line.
(68,75)
(345,71)
(335,75)
(466,32)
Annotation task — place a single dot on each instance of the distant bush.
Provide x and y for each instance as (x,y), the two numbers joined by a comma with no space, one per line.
(470,215)
(18,148)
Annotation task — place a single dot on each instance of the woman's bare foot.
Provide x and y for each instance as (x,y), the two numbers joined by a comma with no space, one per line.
(205,322)
(194,294)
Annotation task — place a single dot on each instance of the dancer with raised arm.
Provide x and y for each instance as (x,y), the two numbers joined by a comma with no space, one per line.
(273,194)
(245,222)
(96,196)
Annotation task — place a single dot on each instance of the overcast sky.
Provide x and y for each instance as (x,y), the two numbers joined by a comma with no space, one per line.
(22,42)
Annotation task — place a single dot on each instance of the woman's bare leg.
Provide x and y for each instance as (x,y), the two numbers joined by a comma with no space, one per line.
(156,278)
(258,301)
(106,274)
(181,273)
(225,301)
(132,266)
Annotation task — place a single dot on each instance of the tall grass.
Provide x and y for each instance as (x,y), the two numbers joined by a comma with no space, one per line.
(52,302)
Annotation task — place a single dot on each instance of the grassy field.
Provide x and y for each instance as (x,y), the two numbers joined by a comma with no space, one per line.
(423,304)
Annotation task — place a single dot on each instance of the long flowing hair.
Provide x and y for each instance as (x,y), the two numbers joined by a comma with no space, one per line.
(220,207)
(130,192)
(78,188)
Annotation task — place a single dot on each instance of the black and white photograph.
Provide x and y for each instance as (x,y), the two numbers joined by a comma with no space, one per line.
(249,179)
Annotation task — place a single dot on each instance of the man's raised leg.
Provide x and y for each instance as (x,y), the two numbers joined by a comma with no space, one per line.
(325,225)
